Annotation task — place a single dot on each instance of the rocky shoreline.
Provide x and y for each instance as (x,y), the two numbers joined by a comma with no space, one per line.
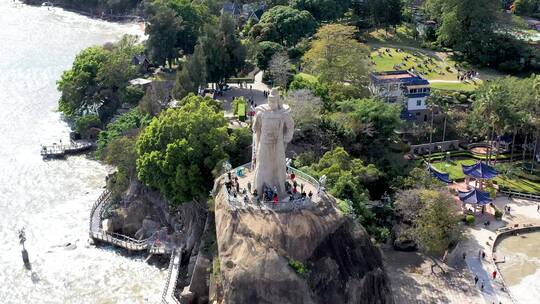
(89,13)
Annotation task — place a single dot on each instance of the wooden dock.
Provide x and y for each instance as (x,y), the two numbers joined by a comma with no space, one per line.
(61,151)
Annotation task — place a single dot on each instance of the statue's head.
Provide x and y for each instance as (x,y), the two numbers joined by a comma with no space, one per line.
(274,100)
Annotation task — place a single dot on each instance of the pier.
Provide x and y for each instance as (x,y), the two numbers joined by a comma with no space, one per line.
(61,151)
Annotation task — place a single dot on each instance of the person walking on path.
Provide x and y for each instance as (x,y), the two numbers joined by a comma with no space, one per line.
(494,274)
(464,255)
(482,286)
(475,280)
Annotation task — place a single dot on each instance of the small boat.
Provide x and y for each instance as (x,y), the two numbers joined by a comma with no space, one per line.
(47,3)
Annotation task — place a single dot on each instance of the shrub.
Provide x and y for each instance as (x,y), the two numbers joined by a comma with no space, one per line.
(498,214)
(298,267)
(469,219)
(84,123)
(133,94)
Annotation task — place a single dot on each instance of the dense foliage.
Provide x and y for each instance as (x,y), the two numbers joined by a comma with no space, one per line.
(126,124)
(97,81)
(179,149)
(285,25)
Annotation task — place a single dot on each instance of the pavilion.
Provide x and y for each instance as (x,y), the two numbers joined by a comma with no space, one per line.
(475,197)
(443,177)
(480,172)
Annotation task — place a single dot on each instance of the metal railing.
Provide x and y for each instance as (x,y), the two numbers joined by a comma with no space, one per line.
(520,194)
(169,292)
(118,239)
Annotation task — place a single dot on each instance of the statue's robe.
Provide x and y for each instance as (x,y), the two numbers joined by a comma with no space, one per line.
(273,129)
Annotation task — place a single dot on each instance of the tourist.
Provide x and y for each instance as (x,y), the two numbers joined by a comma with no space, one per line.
(246,199)
(275,199)
(482,286)
(483,255)
(464,255)
(494,274)
(293,176)
(538,208)
(249,186)
(301,187)
(295,184)
(310,194)
(475,279)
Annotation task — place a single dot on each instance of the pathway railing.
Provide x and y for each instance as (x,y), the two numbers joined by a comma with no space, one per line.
(120,240)
(169,292)
(520,194)
(281,206)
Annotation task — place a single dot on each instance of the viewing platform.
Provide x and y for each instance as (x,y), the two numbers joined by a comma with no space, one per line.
(240,196)
(61,150)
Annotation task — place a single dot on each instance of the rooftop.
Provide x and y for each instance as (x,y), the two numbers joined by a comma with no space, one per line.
(398,76)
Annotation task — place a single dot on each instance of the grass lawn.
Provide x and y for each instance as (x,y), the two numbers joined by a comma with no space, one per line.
(427,64)
(404,35)
(512,182)
(453,86)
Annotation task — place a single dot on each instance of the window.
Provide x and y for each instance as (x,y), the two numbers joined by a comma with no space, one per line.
(418,102)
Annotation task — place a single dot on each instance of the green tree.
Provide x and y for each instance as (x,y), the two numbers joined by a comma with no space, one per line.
(84,123)
(337,57)
(370,119)
(284,25)
(194,16)
(437,225)
(97,81)
(193,74)
(468,27)
(323,10)
(163,28)
(121,153)
(225,54)
(265,51)
(126,123)
(179,149)
(79,85)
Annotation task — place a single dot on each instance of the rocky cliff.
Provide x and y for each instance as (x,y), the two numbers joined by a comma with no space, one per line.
(307,256)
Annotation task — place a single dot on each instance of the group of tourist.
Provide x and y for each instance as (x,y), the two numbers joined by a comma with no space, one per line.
(295,192)
(466,75)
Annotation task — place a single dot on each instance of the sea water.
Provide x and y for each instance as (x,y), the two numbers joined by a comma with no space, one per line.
(521,269)
(52,199)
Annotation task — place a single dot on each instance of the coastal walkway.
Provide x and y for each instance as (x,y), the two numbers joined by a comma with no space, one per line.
(169,292)
(120,240)
(131,244)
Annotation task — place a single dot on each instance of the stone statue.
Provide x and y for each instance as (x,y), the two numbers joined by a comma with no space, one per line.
(273,129)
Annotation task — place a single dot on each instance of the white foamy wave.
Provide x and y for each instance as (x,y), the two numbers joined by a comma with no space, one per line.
(528,290)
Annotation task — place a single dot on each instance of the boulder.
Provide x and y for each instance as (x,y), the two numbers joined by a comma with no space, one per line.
(334,260)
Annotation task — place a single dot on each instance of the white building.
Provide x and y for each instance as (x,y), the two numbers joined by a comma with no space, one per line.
(405,88)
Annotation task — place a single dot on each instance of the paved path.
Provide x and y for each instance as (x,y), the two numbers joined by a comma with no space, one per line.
(415,281)
(481,237)
(256,92)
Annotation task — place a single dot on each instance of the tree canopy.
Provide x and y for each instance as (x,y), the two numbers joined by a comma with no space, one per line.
(284,25)
(323,10)
(337,57)
(179,149)
(437,224)
(97,81)
(225,54)
(265,51)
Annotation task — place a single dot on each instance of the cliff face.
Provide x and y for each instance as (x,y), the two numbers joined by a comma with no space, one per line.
(337,262)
